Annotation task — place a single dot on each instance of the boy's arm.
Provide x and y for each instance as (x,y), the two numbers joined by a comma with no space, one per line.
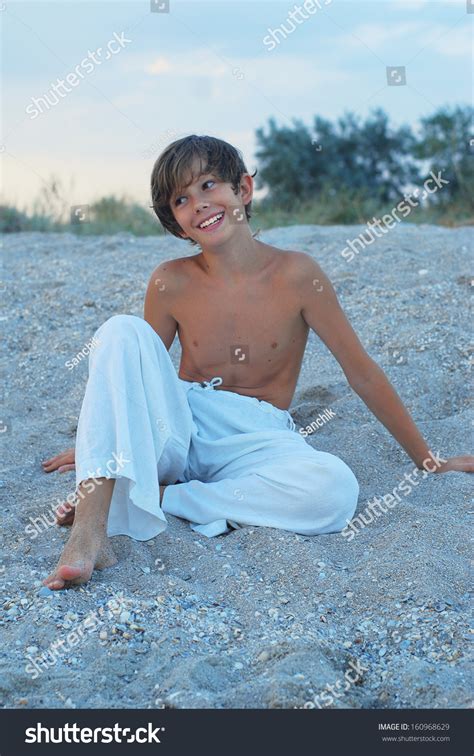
(323,313)
(157,303)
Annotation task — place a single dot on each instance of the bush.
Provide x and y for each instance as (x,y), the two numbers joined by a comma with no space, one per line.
(111,215)
(13,220)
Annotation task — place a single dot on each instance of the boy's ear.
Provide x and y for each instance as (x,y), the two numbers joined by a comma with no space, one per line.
(246,188)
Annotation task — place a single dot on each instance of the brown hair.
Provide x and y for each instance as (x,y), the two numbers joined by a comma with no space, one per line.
(171,171)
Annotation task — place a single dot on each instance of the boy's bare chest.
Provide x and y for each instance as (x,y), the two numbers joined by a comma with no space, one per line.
(240,326)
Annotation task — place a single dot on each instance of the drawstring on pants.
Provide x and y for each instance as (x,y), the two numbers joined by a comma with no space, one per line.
(212,384)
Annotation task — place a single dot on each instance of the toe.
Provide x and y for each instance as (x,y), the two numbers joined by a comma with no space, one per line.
(67,572)
(54,583)
(57,585)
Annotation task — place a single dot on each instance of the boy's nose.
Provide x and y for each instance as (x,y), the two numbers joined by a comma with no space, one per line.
(200,206)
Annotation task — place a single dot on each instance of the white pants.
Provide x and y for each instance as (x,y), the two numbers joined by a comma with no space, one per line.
(238,460)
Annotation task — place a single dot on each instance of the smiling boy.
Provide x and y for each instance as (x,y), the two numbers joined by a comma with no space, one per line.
(215,443)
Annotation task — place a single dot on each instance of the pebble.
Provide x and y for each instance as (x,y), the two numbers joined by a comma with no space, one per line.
(44,592)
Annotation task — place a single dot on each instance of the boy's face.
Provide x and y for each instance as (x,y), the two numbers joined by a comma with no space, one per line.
(208,210)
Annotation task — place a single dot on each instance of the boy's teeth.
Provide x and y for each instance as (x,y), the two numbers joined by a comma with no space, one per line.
(212,220)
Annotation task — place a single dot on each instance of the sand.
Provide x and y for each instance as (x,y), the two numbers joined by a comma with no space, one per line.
(258,618)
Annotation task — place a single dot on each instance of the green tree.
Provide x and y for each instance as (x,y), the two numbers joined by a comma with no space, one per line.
(285,156)
(444,142)
(298,164)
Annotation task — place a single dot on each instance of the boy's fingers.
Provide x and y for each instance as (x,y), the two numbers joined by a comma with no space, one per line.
(64,458)
(54,459)
(51,467)
(66,468)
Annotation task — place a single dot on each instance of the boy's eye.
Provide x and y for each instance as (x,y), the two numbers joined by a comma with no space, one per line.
(177,201)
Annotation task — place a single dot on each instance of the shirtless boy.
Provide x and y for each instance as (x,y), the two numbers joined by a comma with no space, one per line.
(215,444)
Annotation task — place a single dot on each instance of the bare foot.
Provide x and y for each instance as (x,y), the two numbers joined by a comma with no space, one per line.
(85,552)
(88,547)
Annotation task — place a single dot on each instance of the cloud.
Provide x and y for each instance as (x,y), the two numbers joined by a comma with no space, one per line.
(158,66)
(410,4)
(377,36)
(417,35)
(454,43)
(198,62)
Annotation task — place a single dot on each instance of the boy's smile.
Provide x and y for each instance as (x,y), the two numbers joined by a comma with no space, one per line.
(212,222)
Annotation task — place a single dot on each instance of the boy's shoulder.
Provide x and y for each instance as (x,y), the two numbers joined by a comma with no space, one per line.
(172,272)
(177,264)
(298,265)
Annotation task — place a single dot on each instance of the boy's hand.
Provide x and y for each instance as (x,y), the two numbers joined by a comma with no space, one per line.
(62,462)
(459,464)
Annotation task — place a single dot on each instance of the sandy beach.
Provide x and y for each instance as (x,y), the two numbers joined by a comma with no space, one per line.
(257,618)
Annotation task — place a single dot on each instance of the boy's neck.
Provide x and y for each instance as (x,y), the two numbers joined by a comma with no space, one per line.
(235,259)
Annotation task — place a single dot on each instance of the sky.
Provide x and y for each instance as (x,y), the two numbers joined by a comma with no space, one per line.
(206,68)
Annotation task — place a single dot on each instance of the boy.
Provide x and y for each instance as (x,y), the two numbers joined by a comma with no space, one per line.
(215,444)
